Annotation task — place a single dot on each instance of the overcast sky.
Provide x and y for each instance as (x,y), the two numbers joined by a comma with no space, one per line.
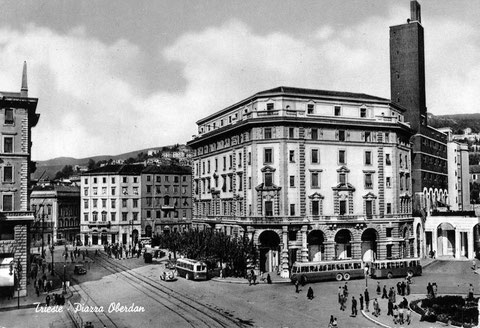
(115,76)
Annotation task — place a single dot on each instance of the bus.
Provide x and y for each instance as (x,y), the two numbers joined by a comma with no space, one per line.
(191,269)
(396,268)
(327,270)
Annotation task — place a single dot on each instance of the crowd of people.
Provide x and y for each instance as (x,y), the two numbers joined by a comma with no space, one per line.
(121,251)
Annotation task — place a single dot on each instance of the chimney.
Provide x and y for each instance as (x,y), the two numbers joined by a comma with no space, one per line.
(415,14)
(24,89)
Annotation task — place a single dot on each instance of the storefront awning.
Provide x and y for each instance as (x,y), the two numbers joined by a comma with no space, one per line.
(5,278)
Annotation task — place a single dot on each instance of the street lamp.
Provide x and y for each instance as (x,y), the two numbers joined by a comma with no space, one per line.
(65,255)
(52,248)
(17,270)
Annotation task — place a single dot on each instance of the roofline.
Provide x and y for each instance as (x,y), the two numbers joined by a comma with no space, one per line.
(269,93)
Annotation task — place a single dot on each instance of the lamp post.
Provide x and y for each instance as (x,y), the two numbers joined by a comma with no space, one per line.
(366,275)
(65,255)
(17,270)
(52,248)
(43,227)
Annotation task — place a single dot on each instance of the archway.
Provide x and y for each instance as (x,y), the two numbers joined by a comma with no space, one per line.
(148,231)
(369,245)
(445,239)
(343,248)
(316,248)
(269,245)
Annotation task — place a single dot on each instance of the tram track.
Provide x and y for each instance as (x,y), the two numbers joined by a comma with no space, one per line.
(195,313)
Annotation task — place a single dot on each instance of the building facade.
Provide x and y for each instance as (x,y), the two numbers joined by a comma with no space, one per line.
(166,199)
(57,214)
(17,117)
(110,205)
(308,175)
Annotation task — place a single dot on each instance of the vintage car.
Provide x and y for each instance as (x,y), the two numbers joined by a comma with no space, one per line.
(79,269)
(168,275)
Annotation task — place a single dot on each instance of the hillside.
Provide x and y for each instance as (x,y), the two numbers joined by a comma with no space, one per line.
(457,122)
(50,167)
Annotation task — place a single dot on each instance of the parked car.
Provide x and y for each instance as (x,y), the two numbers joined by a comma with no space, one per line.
(79,269)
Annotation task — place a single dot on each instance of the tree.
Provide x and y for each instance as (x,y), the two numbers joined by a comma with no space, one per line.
(66,172)
(91,164)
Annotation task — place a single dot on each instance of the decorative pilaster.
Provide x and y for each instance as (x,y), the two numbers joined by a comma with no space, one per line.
(304,244)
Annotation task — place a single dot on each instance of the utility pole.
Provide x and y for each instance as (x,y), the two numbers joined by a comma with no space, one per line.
(43,227)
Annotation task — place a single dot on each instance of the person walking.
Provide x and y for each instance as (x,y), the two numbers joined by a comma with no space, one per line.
(395,314)
(470,292)
(390,308)
(400,314)
(384,292)
(345,289)
(340,294)
(379,290)
(360,298)
(269,279)
(376,308)
(310,293)
(408,315)
(367,299)
(354,307)
(47,300)
(296,285)
(331,322)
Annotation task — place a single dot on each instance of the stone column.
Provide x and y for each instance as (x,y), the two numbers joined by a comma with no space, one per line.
(434,241)
(356,249)
(458,243)
(304,244)
(329,250)
(471,253)
(284,264)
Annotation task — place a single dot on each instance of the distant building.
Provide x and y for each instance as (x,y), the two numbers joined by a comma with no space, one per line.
(110,205)
(57,214)
(17,116)
(166,199)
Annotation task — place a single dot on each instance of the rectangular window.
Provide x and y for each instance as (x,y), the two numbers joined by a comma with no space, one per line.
(125,190)
(9,116)
(8,174)
(113,216)
(224,163)
(104,216)
(85,203)
(310,108)
(95,217)
(291,133)
(389,208)
(388,182)
(267,133)
(389,251)
(367,136)
(249,158)
(368,158)
(124,203)
(343,207)
(85,217)
(315,180)
(113,204)
(124,216)
(158,214)
(113,180)
(369,209)
(113,191)
(292,181)
(95,203)
(342,178)
(368,181)
(268,156)
(341,135)
(291,156)
(363,112)
(314,134)
(268,179)
(135,216)
(104,203)
(7,203)
(268,208)
(338,110)
(239,159)
(341,157)
(135,203)
(315,157)
(8,144)
(387,159)
(292,209)
(389,232)
(270,106)
(315,207)
(125,179)
(249,182)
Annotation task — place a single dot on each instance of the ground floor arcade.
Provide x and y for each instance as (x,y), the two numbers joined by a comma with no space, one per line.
(123,234)
(279,246)
(452,236)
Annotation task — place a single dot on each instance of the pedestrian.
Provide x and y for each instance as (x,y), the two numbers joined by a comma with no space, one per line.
(37,290)
(310,293)
(376,308)
(345,289)
(470,292)
(474,265)
(379,290)
(340,293)
(434,289)
(394,296)
(45,282)
(354,307)
(399,288)
(429,290)
(384,293)
(400,315)
(395,314)
(403,287)
(331,322)
(47,300)
(390,308)
(296,286)
(367,299)
(269,280)
(408,287)
(361,302)
(408,315)
(334,323)
(254,277)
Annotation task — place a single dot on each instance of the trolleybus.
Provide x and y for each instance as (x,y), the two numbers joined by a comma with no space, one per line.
(396,268)
(191,269)
(327,270)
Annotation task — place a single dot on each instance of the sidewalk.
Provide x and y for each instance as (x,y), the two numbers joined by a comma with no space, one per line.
(276,279)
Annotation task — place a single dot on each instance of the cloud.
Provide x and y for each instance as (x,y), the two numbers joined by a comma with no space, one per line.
(90,103)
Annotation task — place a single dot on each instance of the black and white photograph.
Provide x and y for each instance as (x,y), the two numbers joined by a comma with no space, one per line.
(226,163)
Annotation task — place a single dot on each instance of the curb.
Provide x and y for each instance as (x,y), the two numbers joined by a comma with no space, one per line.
(373,320)
(245,282)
